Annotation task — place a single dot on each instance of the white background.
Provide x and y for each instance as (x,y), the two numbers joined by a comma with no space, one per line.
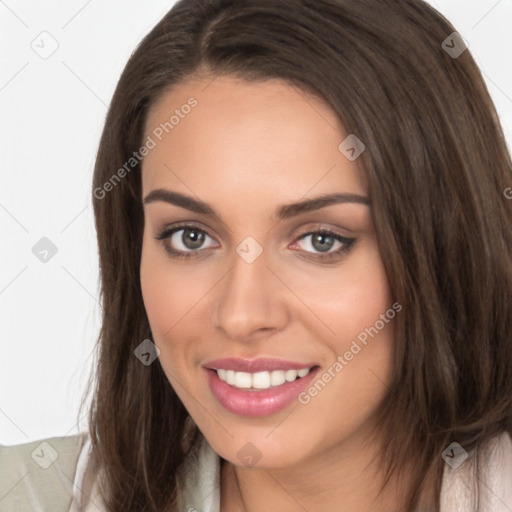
(52,113)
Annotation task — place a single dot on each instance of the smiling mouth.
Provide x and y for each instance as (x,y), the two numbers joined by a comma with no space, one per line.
(260,380)
(259,392)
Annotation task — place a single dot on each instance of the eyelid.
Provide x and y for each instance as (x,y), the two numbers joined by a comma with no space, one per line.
(322,226)
(164,232)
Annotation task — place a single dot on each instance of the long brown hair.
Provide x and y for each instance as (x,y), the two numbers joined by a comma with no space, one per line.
(437,165)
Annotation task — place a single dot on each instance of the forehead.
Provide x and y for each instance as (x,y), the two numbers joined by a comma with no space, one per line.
(221,133)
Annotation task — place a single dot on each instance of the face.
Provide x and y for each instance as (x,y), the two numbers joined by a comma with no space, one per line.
(228,272)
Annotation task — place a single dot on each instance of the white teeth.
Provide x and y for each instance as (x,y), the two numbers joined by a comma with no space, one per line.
(260,380)
(230,377)
(277,378)
(243,380)
(290,375)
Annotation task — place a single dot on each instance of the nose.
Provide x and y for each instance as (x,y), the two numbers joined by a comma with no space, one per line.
(250,301)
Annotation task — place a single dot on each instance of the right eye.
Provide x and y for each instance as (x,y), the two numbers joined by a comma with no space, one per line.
(183,241)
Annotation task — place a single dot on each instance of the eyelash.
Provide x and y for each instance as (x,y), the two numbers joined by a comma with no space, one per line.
(168,232)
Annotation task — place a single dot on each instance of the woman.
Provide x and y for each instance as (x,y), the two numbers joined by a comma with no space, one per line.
(305,251)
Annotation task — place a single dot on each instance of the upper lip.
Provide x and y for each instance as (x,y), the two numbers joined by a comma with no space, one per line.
(261,364)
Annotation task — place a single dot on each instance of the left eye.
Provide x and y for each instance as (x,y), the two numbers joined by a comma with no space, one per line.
(324,241)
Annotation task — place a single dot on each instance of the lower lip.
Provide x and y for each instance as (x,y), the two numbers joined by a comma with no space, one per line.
(256,403)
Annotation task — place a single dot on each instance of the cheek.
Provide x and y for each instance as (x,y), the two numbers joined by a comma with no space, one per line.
(358,301)
(168,292)
(172,296)
(355,307)
(348,300)
(162,306)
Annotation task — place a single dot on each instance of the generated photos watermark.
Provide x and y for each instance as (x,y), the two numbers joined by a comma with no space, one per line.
(343,360)
(158,133)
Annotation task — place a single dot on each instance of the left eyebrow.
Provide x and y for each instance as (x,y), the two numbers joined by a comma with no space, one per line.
(282,212)
(308,205)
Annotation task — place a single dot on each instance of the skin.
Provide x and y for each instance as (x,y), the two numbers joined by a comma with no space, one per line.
(245,149)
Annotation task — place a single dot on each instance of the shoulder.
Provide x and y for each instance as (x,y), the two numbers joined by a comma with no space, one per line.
(39,475)
(488,490)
